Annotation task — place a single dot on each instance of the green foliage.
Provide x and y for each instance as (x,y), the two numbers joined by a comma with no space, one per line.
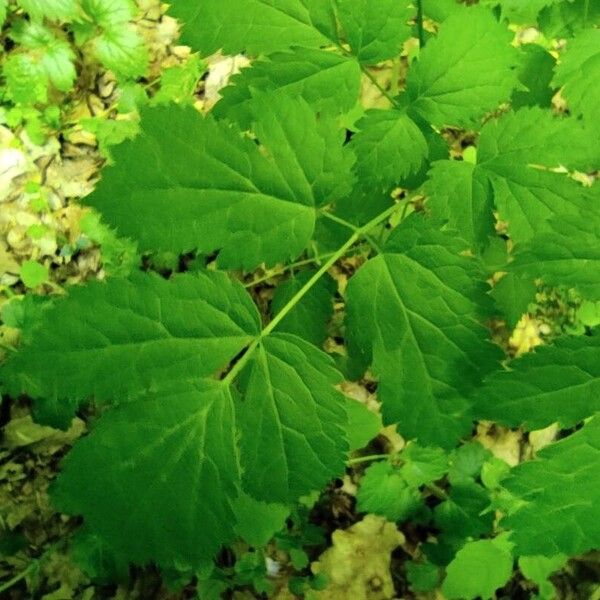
(213,418)
(479,569)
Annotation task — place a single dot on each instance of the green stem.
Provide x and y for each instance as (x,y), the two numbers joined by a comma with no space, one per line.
(291,267)
(420,23)
(8,584)
(586,12)
(376,83)
(282,314)
(370,458)
(352,227)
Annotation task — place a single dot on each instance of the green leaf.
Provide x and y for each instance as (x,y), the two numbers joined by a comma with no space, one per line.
(109,13)
(255,26)
(465,513)
(423,465)
(3,7)
(564,19)
(308,149)
(55,10)
(536,73)
(513,295)
(414,312)
(558,497)
(423,577)
(440,10)
(539,568)
(515,155)
(461,195)
(329,83)
(517,11)
(478,570)
(311,315)
(555,383)
(33,274)
(363,424)
(178,83)
(384,491)
(58,64)
(140,479)
(468,70)
(375,29)
(568,254)
(466,462)
(54,55)
(190,182)
(292,420)
(116,339)
(389,147)
(26,81)
(257,522)
(579,73)
(122,50)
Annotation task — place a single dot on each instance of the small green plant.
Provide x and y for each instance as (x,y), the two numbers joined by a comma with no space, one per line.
(48,45)
(209,407)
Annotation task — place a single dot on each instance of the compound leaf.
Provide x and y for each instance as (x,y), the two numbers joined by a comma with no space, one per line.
(141,479)
(555,383)
(468,70)
(292,420)
(558,497)
(414,312)
(119,338)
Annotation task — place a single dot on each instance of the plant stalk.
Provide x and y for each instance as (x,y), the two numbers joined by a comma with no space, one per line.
(359,232)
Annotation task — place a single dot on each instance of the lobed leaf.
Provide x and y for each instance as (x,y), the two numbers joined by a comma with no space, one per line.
(468,70)
(558,495)
(558,383)
(157,478)
(291,420)
(415,313)
(120,338)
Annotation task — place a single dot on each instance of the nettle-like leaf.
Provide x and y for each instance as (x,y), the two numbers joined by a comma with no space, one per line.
(566,254)
(415,313)
(578,72)
(58,10)
(375,30)
(114,340)
(557,496)
(518,155)
(198,183)
(291,420)
(389,146)
(328,81)
(560,383)
(467,70)
(142,477)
